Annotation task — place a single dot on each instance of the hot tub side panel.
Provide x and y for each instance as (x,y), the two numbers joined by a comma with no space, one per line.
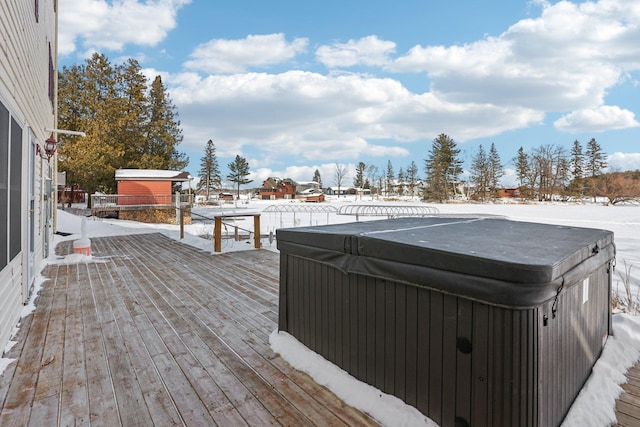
(571,343)
(457,361)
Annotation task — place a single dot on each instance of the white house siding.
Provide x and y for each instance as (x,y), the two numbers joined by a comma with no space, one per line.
(27,58)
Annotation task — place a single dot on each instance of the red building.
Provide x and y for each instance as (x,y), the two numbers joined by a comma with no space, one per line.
(276,188)
(147,186)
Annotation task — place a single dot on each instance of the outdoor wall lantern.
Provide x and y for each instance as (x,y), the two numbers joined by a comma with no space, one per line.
(50,145)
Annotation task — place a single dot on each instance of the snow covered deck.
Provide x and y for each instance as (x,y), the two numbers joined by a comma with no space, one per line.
(153,332)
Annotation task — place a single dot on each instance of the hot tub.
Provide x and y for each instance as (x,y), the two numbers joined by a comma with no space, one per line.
(474,321)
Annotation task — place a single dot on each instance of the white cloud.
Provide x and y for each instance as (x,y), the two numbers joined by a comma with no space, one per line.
(100,24)
(564,60)
(624,161)
(368,50)
(317,117)
(597,120)
(234,56)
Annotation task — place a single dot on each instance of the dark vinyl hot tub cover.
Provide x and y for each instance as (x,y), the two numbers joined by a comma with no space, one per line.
(493,260)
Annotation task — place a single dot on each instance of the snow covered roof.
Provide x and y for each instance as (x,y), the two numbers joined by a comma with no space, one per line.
(150,175)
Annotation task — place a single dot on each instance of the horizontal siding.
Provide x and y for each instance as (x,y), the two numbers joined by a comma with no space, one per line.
(137,188)
(24,90)
(10,303)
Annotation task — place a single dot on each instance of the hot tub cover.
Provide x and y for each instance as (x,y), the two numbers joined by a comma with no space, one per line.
(495,260)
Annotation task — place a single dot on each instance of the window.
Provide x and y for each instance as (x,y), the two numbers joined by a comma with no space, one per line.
(15,185)
(4,184)
(51,79)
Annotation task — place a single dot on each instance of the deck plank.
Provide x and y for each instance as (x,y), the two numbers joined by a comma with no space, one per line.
(154,332)
(628,404)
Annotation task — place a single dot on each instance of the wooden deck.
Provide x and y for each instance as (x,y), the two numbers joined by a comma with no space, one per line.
(158,333)
(628,404)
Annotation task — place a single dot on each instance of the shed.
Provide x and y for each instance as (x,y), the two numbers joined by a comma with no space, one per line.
(147,185)
(473,321)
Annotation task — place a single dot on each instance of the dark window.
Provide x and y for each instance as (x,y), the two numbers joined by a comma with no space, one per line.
(4,183)
(15,185)
(37,12)
(51,79)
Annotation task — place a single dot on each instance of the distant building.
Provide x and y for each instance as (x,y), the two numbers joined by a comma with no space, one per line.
(147,183)
(276,188)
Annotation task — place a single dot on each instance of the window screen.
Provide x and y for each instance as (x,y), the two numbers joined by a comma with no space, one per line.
(4,183)
(15,184)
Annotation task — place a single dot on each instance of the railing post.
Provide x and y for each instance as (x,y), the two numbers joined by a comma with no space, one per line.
(178,207)
(256,231)
(217,234)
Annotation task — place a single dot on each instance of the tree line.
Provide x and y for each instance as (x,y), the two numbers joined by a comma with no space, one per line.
(543,173)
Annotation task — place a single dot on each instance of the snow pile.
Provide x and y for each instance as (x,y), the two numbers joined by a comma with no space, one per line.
(595,405)
(386,409)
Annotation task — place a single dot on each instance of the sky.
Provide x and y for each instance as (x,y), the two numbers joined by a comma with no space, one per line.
(594,406)
(294,86)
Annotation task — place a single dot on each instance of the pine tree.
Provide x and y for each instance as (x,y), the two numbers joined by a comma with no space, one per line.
(443,168)
(358,180)
(88,101)
(238,172)
(164,133)
(596,159)
(523,170)
(401,183)
(576,169)
(317,178)
(412,178)
(389,178)
(481,173)
(209,174)
(127,124)
(134,111)
(496,170)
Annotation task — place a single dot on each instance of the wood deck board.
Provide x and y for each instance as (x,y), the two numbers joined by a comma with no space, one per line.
(628,404)
(154,332)
(242,337)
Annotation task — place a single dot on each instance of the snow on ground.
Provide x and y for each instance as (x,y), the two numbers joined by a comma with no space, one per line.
(595,406)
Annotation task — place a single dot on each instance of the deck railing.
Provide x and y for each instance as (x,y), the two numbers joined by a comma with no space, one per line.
(117,202)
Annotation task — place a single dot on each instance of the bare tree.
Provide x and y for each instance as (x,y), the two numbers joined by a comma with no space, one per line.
(339,176)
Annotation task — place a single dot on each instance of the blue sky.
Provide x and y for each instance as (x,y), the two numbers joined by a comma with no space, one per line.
(295,86)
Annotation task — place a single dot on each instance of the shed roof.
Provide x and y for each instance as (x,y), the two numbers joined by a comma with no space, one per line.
(150,175)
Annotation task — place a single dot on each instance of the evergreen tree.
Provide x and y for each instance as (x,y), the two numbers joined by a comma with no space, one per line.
(316,178)
(389,178)
(412,178)
(88,101)
(209,174)
(128,125)
(238,172)
(576,169)
(401,183)
(443,167)
(496,170)
(481,173)
(358,180)
(596,159)
(523,170)
(164,133)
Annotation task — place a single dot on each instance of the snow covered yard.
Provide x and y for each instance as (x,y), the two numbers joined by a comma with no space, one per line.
(596,404)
